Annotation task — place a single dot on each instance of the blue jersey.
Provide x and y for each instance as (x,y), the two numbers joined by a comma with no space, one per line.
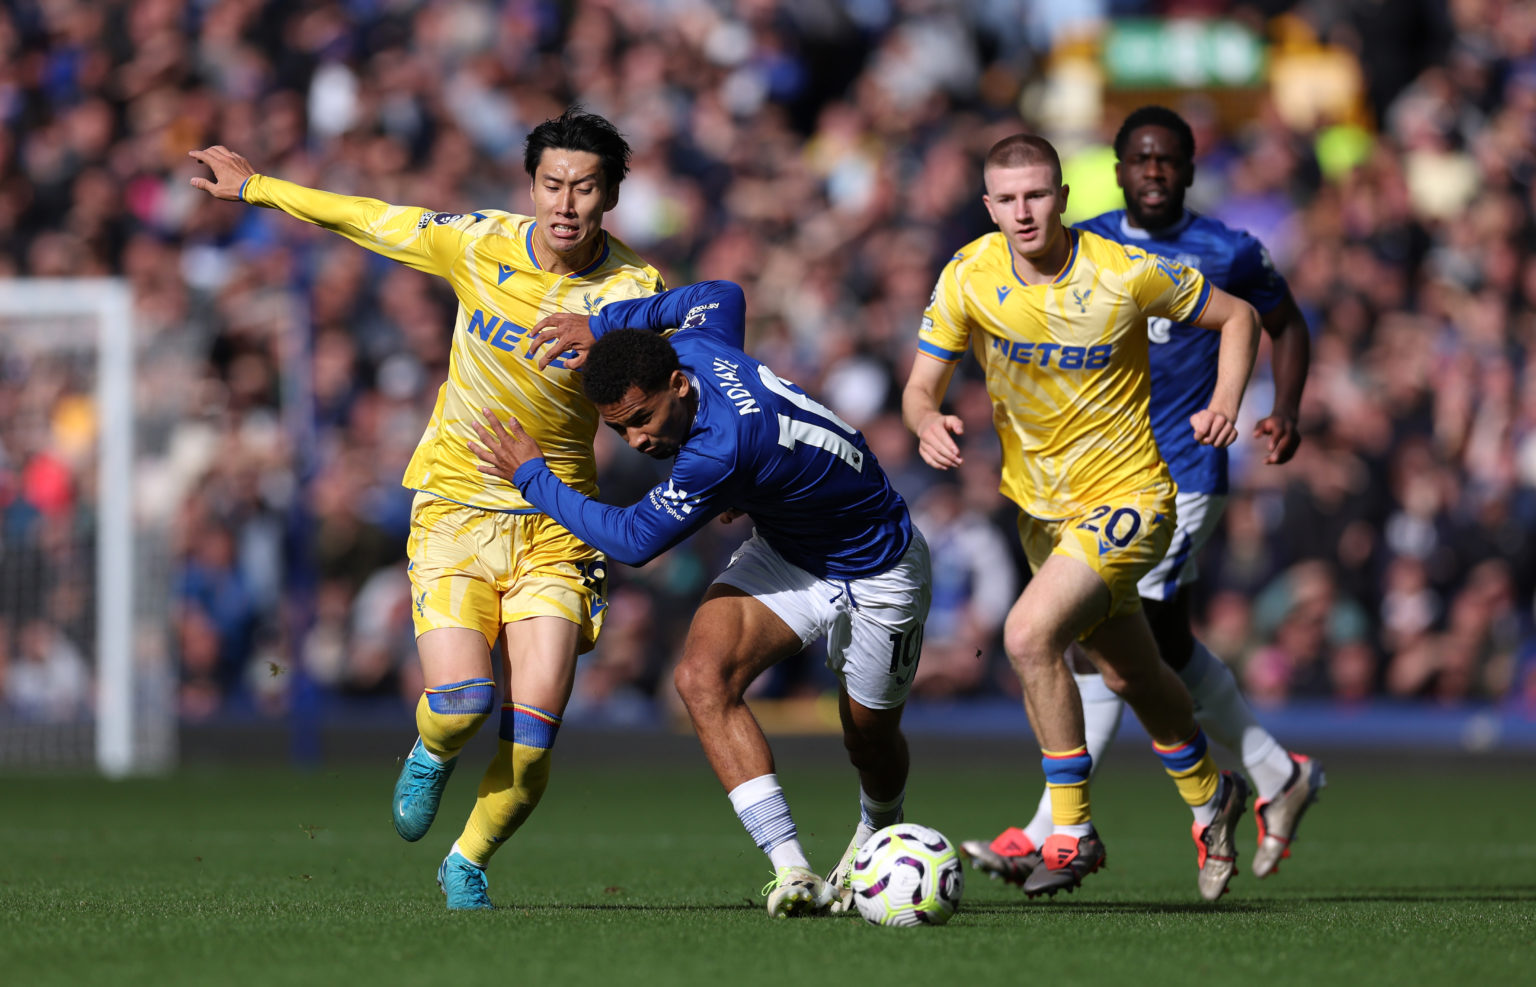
(1184,357)
(758,444)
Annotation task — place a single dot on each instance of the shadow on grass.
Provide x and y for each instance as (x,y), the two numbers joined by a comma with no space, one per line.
(1438,893)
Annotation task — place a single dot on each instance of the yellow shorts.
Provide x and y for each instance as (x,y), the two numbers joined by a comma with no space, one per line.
(1121,540)
(482,569)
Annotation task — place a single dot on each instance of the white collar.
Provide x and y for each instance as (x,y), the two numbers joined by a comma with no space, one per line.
(1167,232)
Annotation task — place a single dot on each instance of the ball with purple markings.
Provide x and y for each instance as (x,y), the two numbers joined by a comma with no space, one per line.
(906,875)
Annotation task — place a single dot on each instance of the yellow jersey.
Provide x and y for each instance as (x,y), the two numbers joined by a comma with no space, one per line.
(1065,362)
(488,257)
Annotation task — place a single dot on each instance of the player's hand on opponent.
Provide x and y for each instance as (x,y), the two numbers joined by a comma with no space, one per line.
(1213,428)
(505,449)
(935,442)
(1284,437)
(568,332)
(230,171)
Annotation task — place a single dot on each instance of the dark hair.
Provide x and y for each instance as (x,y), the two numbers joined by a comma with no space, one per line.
(578,130)
(624,357)
(1156,116)
(1023,149)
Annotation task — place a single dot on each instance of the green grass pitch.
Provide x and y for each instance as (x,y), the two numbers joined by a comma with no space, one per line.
(634,871)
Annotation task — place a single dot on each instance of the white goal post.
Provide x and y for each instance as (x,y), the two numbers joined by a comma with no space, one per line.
(134,722)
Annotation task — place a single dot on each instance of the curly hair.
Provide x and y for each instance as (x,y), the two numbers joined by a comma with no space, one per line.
(1156,116)
(624,357)
(578,130)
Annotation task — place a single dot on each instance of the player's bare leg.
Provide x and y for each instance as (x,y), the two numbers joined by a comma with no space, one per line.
(1064,598)
(1014,853)
(878,750)
(539,669)
(734,638)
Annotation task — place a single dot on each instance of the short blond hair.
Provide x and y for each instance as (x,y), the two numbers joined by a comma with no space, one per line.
(1022,150)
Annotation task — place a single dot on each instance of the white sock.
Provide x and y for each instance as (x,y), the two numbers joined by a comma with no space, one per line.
(1226,718)
(1102,710)
(1078,830)
(455,850)
(763,810)
(1207,812)
(876,814)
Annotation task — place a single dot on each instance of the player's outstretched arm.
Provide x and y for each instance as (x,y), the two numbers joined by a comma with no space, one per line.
(414,236)
(920,412)
(230,170)
(1291,355)
(1238,323)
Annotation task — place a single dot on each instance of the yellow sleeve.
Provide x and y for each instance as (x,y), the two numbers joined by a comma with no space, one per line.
(423,239)
(1162,286)
(946,328)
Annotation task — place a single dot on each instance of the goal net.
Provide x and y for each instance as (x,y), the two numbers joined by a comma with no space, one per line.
(86,672)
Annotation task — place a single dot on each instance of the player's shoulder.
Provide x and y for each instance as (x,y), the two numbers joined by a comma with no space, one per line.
(1105,224)
(476,222)
(1106,252)
(1215,234)
(983,253)
(622,260)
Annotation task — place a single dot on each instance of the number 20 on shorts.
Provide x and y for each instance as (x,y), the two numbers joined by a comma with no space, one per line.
(1121,528)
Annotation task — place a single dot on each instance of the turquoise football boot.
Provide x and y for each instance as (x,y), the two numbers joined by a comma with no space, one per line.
(418,791)
(463,884)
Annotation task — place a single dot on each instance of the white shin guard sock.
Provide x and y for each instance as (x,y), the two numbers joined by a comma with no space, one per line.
(1227,719)
(764,812)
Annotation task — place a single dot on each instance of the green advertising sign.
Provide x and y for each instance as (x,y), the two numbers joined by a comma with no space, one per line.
(1183,53)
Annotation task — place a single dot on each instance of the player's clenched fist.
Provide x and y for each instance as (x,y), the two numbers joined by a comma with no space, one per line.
(505,449)
(935,442)
(230,170)
(1213,428)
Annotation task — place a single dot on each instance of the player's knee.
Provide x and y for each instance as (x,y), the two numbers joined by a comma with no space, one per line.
(1027,649)
(700,684)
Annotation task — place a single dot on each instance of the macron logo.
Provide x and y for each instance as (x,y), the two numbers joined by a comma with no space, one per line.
(503,272)
(1002,294)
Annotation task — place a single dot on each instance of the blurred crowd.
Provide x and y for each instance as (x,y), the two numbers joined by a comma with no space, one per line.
(827,156)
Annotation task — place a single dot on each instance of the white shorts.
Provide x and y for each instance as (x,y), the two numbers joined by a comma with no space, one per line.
(873,625)
(1199,514)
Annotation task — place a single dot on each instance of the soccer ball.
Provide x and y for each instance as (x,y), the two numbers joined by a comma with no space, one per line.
(907,874)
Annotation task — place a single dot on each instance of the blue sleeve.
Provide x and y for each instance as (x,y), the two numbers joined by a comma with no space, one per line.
(716,307)
(698,489)
(1253,277)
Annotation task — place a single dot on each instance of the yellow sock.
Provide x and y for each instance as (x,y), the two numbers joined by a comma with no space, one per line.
(1066,777)
(447,716)
(1069,804)
(509,791)
(1190,766)
(515,781)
